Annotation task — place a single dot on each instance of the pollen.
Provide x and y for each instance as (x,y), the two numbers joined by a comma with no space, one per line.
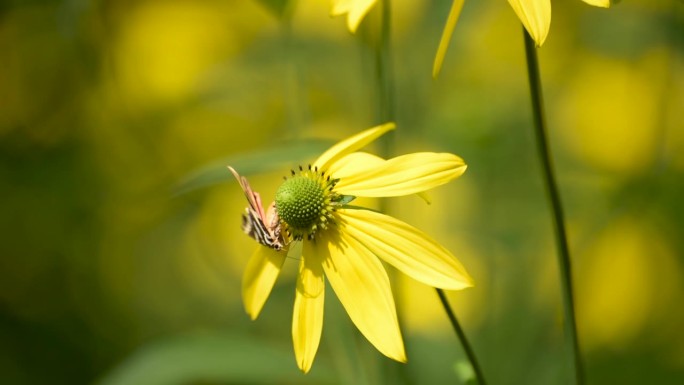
(303,202)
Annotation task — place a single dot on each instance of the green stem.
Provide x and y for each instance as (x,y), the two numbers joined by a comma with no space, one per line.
(461,336)
(556,207)
(384,80)
(384,74)
(294,107)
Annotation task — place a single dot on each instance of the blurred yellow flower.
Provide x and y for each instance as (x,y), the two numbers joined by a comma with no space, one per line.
(355,10)
(535,15)
(343,242)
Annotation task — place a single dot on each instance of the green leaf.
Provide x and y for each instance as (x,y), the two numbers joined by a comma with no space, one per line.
(213,357)
(343,200)
(268,159)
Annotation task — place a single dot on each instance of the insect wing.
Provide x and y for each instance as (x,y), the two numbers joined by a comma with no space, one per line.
(272,218)
(255,228)
(252,196)
(265,229)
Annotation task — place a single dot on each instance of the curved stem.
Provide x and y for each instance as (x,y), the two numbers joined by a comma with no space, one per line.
(556,207)
(461,336)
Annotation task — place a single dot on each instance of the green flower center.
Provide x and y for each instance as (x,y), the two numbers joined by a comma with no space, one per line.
(299,201)
(303,202)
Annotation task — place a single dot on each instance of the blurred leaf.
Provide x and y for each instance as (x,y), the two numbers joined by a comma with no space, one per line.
(465,372)
(268,159)
(213,357)
(279,8)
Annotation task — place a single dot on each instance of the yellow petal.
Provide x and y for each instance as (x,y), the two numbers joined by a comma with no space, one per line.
(350,145)
(344,166)
(406,248)
(356,10)
(403,175)
(535,16)
(307,321)
(357,13)
(455,11)
(259,277)
(598,3)
(340,6)
(362,285)
(341,168)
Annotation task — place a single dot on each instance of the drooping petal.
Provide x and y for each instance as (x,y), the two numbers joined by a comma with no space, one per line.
(307,319)
(351,144)
(356,10)
(259,277)
(598,3)
(403,175)
(535,16)
(455,11)
(406,248)
(361,283)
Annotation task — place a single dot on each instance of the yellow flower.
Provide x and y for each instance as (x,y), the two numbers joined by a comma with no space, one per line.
(355,10)
(346,243)
(535,15)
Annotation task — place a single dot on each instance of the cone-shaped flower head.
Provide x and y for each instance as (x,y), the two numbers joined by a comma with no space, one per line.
(346,243)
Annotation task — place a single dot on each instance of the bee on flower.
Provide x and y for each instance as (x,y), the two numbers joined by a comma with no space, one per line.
(346,243)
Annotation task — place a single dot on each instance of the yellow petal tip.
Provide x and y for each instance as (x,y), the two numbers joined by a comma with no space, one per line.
(535,16)
(303,368)
(389,126)
(452,19)
(468,281)
(402,358)
(252,316)
(598,3)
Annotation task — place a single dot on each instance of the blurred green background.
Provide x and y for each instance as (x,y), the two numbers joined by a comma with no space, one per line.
(120,263)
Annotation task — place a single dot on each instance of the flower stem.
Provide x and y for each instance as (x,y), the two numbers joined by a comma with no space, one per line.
(461,336)
(384,82)
(556,207)
(385,112)
(384,74)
